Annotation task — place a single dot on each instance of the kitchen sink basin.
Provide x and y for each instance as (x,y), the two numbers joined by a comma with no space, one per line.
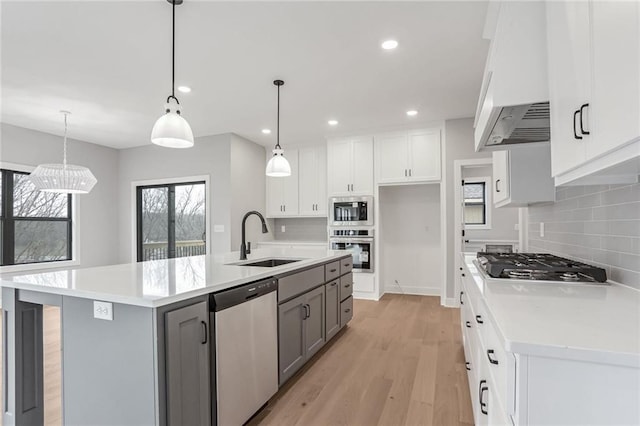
(268,263)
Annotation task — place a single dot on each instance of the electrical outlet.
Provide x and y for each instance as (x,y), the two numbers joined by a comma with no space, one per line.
(282,229)
(541,229)
(103,310)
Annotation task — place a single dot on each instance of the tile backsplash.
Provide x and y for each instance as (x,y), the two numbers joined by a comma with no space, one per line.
(301,229)
(597,224)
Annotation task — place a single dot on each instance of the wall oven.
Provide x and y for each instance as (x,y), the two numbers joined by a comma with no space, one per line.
(359,242)
(351,211)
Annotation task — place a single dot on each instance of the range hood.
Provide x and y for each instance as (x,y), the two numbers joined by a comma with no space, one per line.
(514,101)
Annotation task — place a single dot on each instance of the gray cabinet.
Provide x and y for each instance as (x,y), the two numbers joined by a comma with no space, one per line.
(332,311)
(346,311)
(291,344)
(301,331)
(187,365)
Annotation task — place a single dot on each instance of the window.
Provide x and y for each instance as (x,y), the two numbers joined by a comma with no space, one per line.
(475,203)
(35,226)
(171,220)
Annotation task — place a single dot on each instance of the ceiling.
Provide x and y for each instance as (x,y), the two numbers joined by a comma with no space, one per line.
(110,64)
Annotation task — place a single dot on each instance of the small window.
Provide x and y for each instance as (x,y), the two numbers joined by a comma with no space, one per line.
(476,203)
(35,225)
(171,220)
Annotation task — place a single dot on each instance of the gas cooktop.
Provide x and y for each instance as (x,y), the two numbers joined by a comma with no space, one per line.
(539,266)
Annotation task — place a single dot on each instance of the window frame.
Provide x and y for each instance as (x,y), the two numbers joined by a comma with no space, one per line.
(488,206)
(72,231)
(135,218)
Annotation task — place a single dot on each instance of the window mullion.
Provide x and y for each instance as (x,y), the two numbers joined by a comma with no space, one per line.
(8,231)
(171,210)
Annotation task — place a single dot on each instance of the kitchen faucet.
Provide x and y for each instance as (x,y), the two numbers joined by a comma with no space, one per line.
(243,246)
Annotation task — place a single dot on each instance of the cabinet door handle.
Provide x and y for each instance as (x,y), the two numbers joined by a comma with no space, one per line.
(461,294)
(205,333)
(347,285)
(346,311)
(307,312)
(479,319)
(409,172)
(467,365)
(575,133)
(463,274)
(491,360)
(582,130)
(405,172)
(483,389)
(497,187)
(468,324)
(333,284)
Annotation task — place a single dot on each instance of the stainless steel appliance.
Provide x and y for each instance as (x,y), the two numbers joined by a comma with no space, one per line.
(539,267)
(357,241)
(246,337)
(351,211)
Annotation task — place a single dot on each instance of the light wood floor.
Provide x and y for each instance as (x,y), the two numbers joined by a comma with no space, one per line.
(399,362)
(52,362)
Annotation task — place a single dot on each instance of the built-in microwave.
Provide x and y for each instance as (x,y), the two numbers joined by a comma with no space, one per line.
(351,211)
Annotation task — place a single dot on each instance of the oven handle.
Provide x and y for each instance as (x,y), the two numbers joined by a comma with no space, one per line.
(351,240)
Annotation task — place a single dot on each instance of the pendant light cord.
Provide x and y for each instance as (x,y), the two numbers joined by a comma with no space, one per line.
(173,55)
(64,149)
(278,122)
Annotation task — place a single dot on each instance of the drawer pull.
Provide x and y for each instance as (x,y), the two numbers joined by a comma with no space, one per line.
(332,270)
(347,285)
(483,389)
(333,284)
(347,310)
(346,265)
(461,293)
(491,360)
(479,319)
(463,274)
(467,365)
(468,324)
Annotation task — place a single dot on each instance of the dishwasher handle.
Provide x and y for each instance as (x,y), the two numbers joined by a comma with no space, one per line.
(241,294)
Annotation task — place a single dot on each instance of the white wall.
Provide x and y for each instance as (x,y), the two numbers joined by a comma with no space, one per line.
(248,192)
(411,250)
(503,219)
(458,145)
(98,222)
(209,157)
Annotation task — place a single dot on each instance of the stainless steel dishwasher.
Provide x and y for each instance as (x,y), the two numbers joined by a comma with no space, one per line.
(246,338)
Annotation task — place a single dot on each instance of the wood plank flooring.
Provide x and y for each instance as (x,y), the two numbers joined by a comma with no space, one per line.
(399,362)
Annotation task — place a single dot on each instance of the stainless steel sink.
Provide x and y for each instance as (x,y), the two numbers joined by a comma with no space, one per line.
(266,263)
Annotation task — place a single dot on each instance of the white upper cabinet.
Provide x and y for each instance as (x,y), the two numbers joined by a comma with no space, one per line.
(408,156)
(313,181)
(594,88)
(282,192)
(350,166)
(522,176)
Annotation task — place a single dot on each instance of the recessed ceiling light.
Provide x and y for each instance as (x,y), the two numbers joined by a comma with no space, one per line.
(266,131)
(333,122)
(412,112)
(184,89)
(389,44)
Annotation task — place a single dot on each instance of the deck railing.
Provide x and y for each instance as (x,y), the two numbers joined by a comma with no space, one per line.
(159,250)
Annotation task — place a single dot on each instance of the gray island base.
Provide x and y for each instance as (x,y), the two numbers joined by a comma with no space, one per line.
(153,362)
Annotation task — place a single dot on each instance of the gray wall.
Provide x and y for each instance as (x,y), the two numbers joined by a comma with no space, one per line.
(594,224)
(248,180)
(301,229)
(98,222)
(458,145)
(410,246)
(210,156)
(503,219)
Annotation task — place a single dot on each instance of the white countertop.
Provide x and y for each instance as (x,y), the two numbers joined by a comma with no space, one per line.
(161,282)
(589,322)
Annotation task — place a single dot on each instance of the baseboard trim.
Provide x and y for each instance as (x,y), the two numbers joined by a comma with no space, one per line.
(450,302)
(413,290)
(365,296)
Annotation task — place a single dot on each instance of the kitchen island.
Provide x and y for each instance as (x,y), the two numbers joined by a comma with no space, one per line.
(115,346)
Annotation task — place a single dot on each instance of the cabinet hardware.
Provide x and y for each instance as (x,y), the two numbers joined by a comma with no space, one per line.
(497,187)
(483,389)
(582,130)
(285,207)
(463,274)
(409,172)
(307,312)
(205,339)
(468,324)
(347,285)
(461,293)
(347,310)
(461,269)
(346,265)
(491,360)
(479,319)
(333,284)
(575,133)
(332,270)
(467,365)
(405,172)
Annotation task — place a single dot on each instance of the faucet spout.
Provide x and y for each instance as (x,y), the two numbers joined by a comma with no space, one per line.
(243,245)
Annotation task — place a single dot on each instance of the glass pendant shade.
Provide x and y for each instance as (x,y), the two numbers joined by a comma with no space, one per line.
(278,166)
(172,130)
(65,179)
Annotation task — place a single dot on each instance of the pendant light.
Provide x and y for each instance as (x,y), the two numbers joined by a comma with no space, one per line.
(278,166)
(172,130)
(63,178)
